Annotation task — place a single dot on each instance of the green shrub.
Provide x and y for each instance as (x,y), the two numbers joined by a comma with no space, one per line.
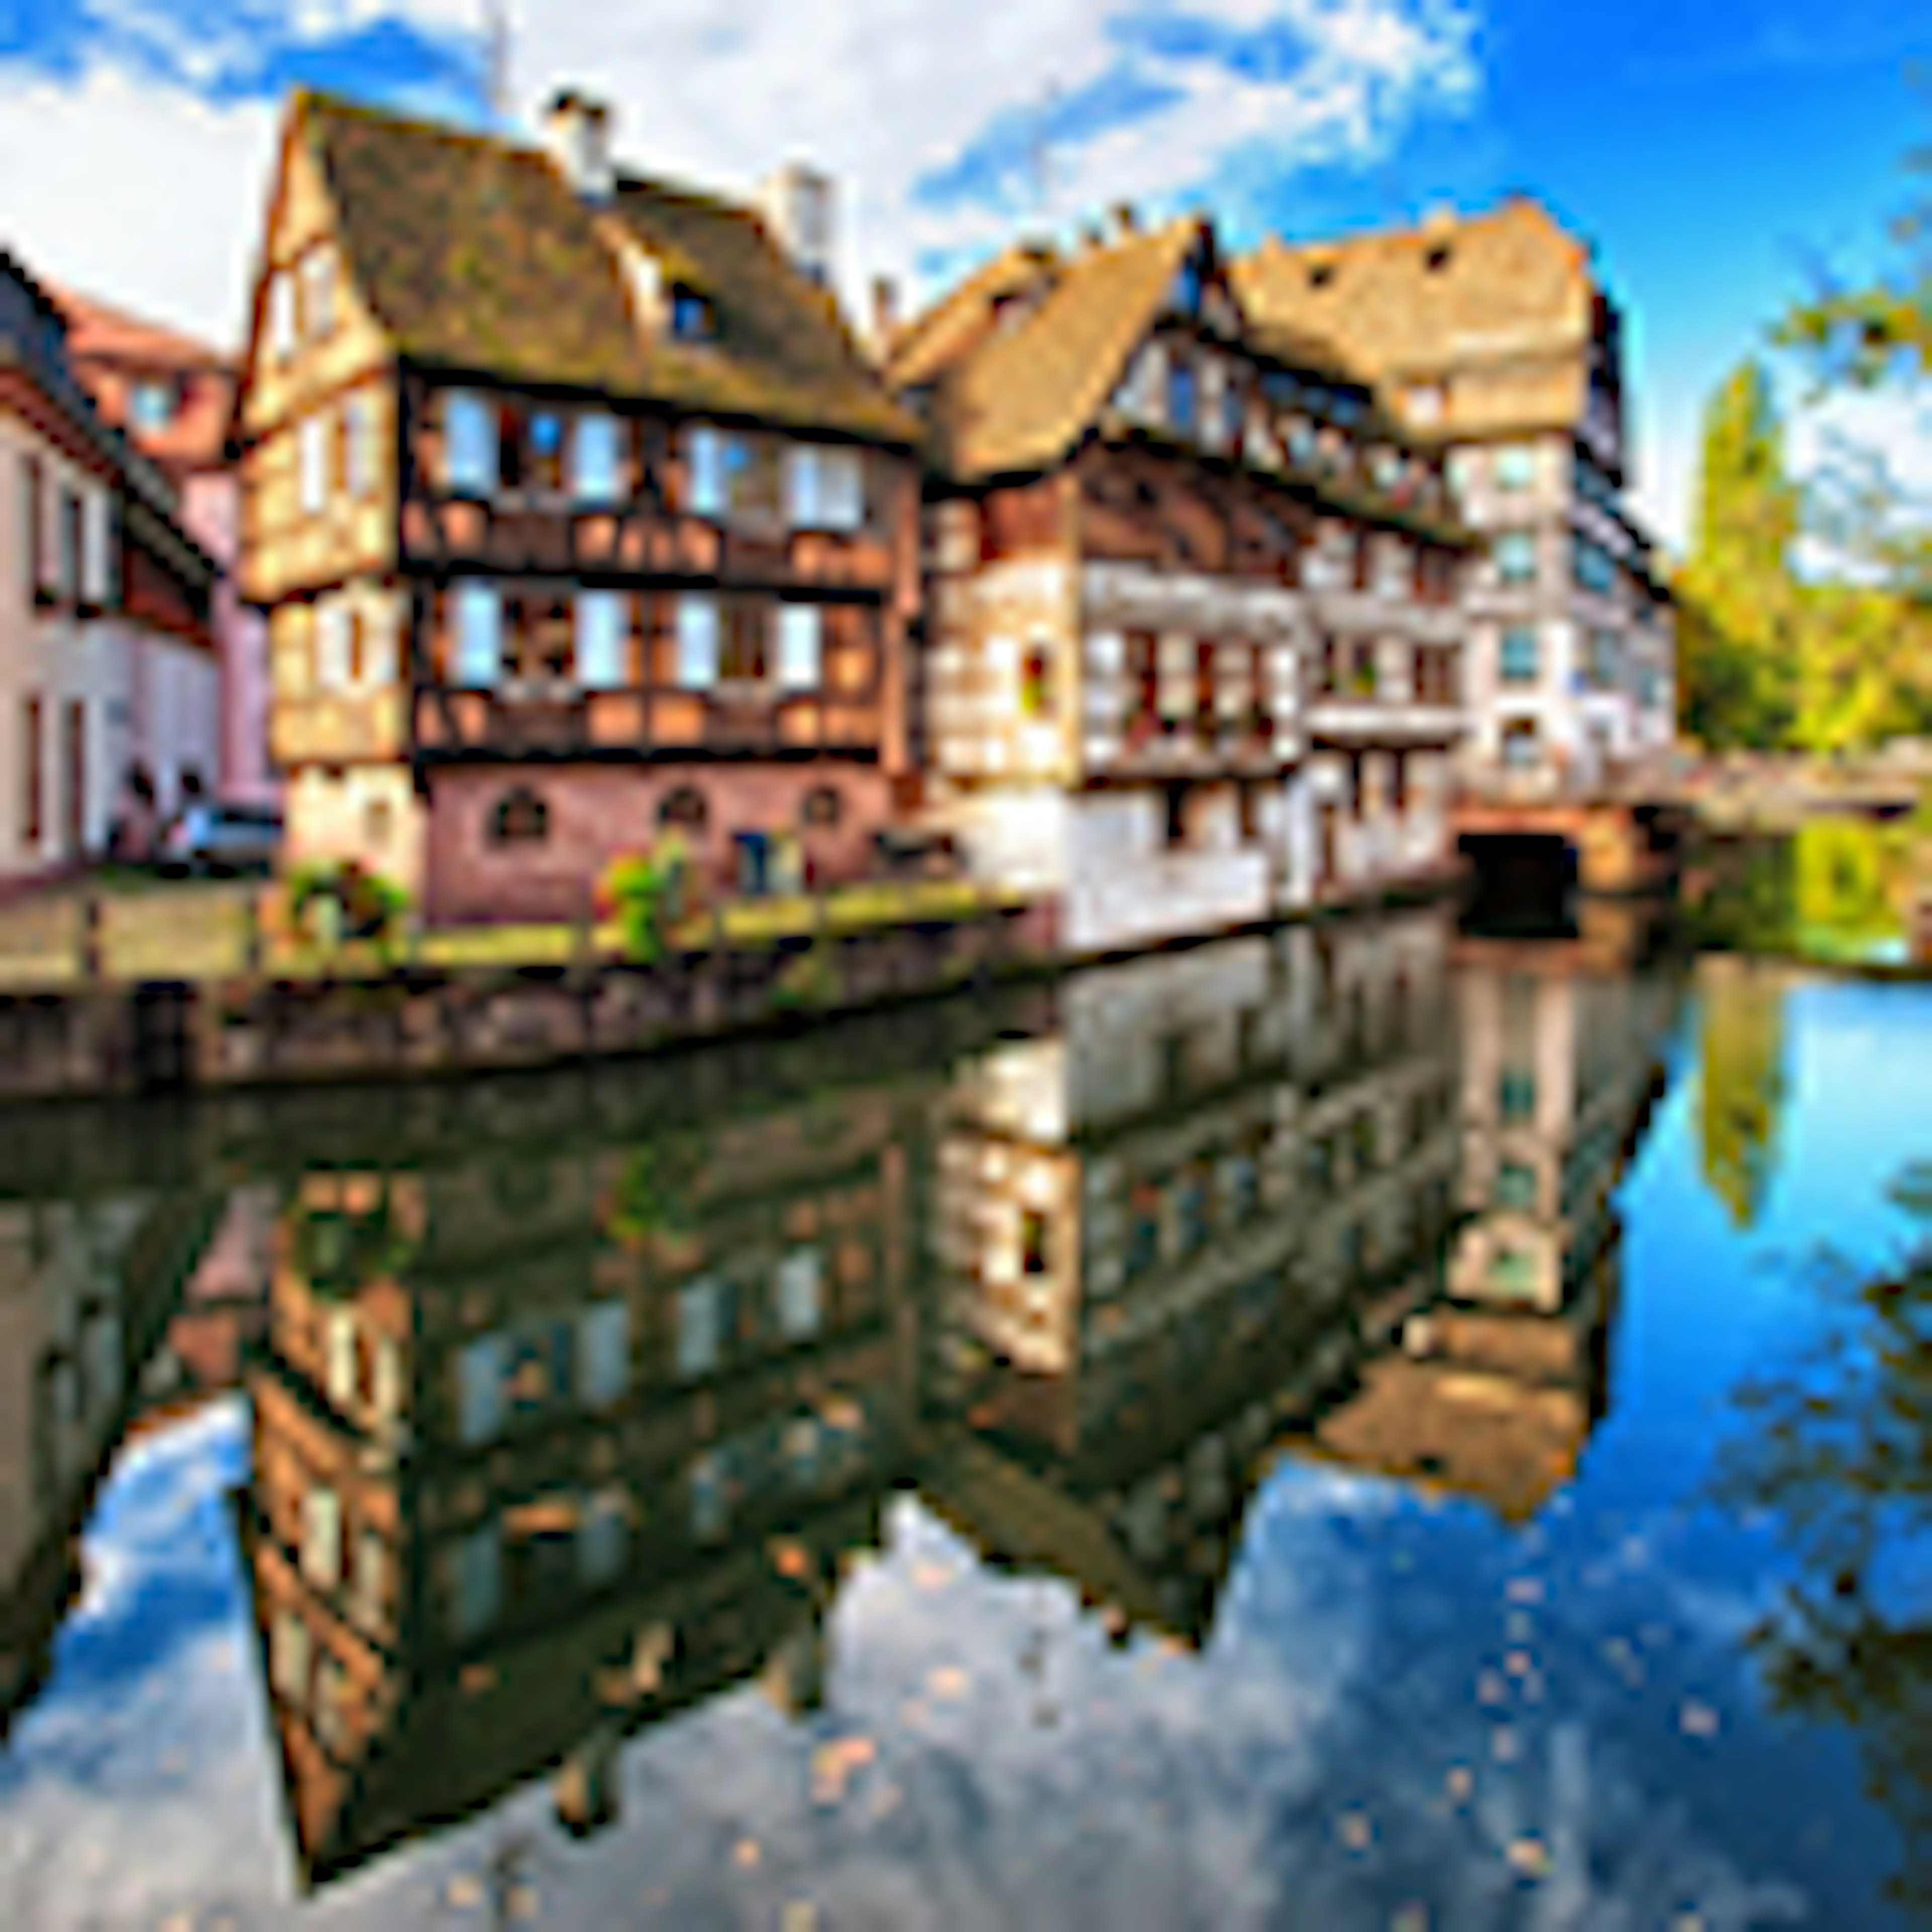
(644,893)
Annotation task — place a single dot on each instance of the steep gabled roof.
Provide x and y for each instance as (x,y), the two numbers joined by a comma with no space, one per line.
(475,254)
(1014,391)
(1424,301)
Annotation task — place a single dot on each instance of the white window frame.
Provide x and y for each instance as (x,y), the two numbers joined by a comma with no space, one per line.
(333,670)
(473,670)
(312,461)
(598,653)
(700,641)
(801,646)
(322,1537)
(707,470)
(596,458)
(359,460)
(473,458)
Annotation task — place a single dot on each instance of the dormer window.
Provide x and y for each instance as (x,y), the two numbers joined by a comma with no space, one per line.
(692,318)
(151,406)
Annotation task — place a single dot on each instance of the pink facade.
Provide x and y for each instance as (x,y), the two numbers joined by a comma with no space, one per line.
(171,396)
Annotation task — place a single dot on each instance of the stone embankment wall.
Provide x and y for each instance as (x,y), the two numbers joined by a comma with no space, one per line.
(158,1036)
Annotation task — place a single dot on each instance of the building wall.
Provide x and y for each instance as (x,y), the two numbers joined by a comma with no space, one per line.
(598,813)
(211,510)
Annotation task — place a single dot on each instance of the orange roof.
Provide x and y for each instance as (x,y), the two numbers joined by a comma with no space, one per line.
(110,349)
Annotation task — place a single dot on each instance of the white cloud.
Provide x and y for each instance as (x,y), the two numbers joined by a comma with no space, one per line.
(144,193)
(136,191)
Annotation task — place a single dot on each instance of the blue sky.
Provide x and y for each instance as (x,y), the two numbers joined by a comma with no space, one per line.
(1715,154)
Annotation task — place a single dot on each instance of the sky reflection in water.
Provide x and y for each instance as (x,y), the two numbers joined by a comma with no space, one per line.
(1405,1710)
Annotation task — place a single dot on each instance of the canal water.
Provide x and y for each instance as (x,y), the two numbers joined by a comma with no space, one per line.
(1378,1426)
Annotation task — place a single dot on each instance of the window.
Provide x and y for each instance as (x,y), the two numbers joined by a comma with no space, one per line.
(1520,745)
(1516,1186)
(318,295)
(1398,769)
(1034,1256)
(289,1651)
(540,638)
(1592,566)
(697,642)
(282,315)
(800,646)
(70,546)
(151,406)
(1606,660)
(322,1537)
(1515,466)
(824,805)
(359,465)
(470,456)
(312,455)
(519,817)
(335,642)
(1187,295)
(1516,1095)
(1515,553)
(30,535)
(1181,387)
(602,620)
(1173,828)
(705,484)
(594,460)
(691,316)
(479,637)
(754,478)
(1519,656)
(543,450)
(742,648)
(824,488)
(798,1296)
(685,808)
(32,772)
(1035,681)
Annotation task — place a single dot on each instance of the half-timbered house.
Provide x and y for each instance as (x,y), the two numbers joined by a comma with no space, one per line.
(577,513)
(1191,600)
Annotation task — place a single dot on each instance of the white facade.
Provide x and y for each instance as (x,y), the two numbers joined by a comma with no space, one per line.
(83,697)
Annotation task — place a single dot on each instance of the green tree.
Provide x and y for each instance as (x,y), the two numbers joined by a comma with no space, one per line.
(1875,335)
(1741,1085)
(1739,603)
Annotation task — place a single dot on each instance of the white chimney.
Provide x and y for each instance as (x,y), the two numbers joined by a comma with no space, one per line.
(797,203)
(577,131)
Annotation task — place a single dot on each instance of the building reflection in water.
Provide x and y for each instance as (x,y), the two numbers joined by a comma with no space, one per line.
(573,1406)
(1166,1230)
(1495,1390)
(551,1441)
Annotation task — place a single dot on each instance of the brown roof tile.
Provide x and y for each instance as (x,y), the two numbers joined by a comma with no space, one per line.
(1015,395)
(475,254)
(1412,303)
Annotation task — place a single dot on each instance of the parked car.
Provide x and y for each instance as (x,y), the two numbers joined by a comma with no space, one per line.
(215,839)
